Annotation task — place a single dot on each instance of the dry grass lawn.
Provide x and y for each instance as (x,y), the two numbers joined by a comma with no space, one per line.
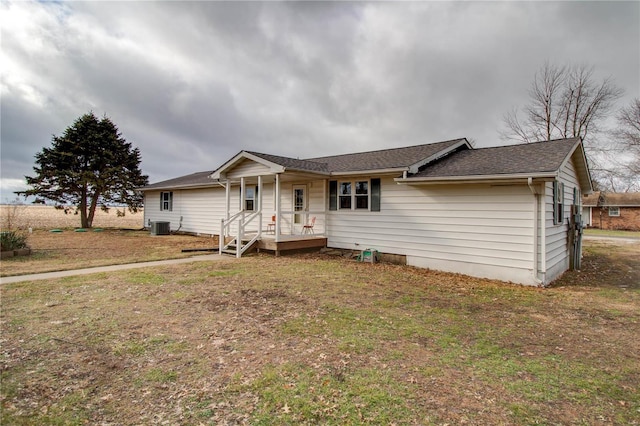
(52,251)
(312,339)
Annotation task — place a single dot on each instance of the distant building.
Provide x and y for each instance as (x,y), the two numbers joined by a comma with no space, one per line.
(607,210)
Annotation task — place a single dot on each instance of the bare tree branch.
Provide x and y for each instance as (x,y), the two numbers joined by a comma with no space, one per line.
(564,102)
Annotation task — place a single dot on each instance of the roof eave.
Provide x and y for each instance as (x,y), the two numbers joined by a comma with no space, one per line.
(316,172)
(211,184)
(371,172)
(499,178)
(242,155)
(583,172)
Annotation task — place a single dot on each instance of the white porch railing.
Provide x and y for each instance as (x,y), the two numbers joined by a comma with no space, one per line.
(243,219)
(289,226)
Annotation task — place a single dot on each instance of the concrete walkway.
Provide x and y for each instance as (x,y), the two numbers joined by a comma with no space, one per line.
(111,268)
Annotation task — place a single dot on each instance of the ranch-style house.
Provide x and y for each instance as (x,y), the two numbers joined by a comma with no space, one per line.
(509,213)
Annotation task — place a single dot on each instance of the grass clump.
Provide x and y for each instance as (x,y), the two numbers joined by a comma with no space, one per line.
(13,240)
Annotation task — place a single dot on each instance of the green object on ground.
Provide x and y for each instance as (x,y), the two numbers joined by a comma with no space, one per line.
(56,230)
(98,230)
(81,230)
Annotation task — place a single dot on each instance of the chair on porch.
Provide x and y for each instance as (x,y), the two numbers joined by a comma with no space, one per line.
(271,227)
(308,228)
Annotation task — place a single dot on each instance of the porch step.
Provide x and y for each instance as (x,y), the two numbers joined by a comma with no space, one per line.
(232,249)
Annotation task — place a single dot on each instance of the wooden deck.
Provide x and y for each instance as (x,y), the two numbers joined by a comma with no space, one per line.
(291,243)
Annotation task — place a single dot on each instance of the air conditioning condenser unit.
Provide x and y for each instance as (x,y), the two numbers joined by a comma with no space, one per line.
(160,228)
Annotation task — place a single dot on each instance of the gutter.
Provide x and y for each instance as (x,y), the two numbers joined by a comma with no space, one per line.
(501,178)
(372,172)
(162,188)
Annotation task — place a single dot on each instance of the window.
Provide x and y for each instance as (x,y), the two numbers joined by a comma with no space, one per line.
(250,194)
(299,203)
(355,195)
(333,195)
(166,201)
(250,198)
(558,202)
(345,195)
(362,195)
(614,211)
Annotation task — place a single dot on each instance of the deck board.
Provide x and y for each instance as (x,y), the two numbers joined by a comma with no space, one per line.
(298,244)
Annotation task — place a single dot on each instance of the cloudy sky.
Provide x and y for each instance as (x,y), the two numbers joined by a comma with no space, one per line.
(193,83)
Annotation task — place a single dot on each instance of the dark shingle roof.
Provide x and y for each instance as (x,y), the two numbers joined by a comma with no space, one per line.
(293,163)
(194,179)
(592,199)
(383,159)
(613,199)
(538,157)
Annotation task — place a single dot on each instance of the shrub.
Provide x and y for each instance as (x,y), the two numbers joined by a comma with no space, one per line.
(13,240)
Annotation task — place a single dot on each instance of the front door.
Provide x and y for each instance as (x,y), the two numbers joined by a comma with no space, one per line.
(299,207)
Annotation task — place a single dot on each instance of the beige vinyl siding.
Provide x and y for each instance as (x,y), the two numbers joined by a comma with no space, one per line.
(479,230)
(557,251)
(315,205)
(153,213)
(247,168)
(200,209)
(203,209)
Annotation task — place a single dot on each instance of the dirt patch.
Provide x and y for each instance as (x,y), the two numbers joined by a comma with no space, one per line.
(613,262)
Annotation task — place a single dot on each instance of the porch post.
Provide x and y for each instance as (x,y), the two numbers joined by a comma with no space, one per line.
(242,189)
(222,236)
(259,201)
(227,188)
(278,215)
(324,198)
(241,221)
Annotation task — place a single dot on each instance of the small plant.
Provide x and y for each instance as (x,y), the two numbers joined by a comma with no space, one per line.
(13,215)
(13,240)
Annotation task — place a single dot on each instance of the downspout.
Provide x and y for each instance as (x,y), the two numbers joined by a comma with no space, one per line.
(536,227)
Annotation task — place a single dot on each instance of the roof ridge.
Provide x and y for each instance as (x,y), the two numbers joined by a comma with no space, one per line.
(281,156)
(386,149)
(528,143)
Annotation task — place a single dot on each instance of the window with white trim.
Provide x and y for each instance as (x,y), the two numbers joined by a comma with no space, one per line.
(355,195)
(166,201)
(250,198)
(614,211)
(558,202)
(362,194)
(345,196)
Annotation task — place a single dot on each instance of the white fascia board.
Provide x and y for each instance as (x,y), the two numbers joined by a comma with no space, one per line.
(219,173)
(415,168)
(585,181)
(211,184)
(309,172)
(511,178)
(370,172)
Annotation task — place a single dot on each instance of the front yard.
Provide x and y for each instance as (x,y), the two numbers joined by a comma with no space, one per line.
(311,339)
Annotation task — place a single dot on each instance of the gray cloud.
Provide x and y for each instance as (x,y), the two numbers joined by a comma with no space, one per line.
(193,83)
